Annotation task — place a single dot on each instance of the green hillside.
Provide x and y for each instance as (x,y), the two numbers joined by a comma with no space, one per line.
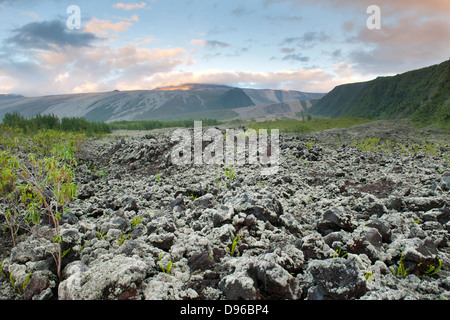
(422,95)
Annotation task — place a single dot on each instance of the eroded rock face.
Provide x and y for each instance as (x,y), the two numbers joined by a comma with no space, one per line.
(335,224)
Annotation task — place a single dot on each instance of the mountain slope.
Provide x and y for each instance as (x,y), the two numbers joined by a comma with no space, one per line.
(422,94)
(181,102)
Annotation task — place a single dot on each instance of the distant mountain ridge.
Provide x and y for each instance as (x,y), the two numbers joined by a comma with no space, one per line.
(166,103)
(422,95)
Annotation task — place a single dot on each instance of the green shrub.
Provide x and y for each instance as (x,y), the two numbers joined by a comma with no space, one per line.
(36,178)
(52,122)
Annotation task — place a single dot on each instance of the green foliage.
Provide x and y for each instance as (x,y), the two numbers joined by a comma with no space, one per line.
(122,238)
(135,222)
(389,146)
(52,122)
(431,269)
(156,124)
(340,254)
(232,250)
(368,275)
(36,178)
(369,144)
(193,196)
(229,173)
(297,126)
(401,270)
(21,289)
(421,95)
(100,235)
(1,269)
(168,268)
(26,282)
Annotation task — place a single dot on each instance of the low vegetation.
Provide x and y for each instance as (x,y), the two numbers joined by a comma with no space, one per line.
(155,124)
(390,146)
(419,95)
(297,126)
(52,122)
(37,182)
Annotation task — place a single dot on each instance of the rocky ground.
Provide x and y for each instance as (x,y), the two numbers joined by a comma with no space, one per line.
(336,222)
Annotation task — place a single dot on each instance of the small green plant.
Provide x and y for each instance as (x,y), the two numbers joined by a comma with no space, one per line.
(100,235)
(369,144)
(11,280)
(232,250)
(65,253)
(168,268)
(24,284)
(368,275)
(158,177)
(431,269)
(339,253)
(21,290)
(82,246)
(122,238)
(135,222)
(401,270)
(309,145)
(229,173)
(1,269)
(193,196)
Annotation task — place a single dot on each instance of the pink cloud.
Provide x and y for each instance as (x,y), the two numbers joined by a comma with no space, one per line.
(130,6)
(98,26)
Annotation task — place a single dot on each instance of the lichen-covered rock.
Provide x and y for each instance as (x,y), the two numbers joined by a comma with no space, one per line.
(334,279)
(111,279)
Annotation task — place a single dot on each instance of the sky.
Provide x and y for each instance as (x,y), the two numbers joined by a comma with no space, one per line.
(305,45)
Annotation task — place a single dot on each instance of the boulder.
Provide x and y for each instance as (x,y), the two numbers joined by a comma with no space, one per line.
(334,279)
(113,279)
(335,219)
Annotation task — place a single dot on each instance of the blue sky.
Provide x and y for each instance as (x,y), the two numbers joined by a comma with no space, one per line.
(306,45)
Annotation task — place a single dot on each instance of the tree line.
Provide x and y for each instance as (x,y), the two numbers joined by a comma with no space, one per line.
(52,122)
(81,125)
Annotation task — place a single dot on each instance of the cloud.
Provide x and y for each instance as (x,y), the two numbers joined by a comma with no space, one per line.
(295,57)
(69,61)
(403,45)
(212,44)
(414,33)
(47,34)
(97,26)
(429,7)
(307,40)
(284,18)
(130,6)
(86,69)
(287,50)
(312,80)
(134,18)
(241,11)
